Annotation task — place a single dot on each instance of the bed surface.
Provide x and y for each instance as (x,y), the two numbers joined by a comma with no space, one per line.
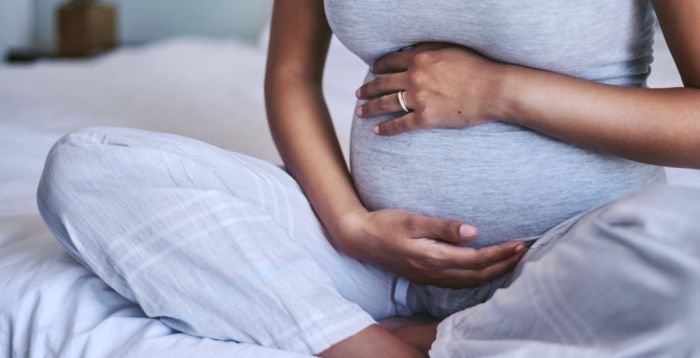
(207,89)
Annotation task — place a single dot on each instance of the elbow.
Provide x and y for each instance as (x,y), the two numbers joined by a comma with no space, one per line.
(284,88)
(290,81)
(693,124)
(695,153)
(273,80)
(281,75)
(691,81)
(691,151)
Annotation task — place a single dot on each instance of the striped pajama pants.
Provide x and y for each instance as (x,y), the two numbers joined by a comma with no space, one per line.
(221,245)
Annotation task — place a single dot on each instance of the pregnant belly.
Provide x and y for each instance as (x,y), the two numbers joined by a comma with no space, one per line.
(508,181)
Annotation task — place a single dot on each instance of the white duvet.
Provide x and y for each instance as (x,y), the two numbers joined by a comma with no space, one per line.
(210,90)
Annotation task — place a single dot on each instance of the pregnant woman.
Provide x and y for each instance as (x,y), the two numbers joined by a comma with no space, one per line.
(504,169)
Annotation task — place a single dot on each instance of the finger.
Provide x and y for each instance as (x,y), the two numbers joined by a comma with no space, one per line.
(460,278)
(406,123)
(425,46)
(451,231)
(393,62)
(382,85)
(468,258)
(495,270)
(381,105)
(399,61)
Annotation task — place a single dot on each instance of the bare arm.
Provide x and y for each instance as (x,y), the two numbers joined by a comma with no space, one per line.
(658,126)
(303,132)
(297,113)
(449,86)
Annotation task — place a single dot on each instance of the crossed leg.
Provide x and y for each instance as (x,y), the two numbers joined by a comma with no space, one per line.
(215,244)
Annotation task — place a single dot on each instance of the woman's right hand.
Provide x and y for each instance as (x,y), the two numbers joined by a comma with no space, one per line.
(425,250)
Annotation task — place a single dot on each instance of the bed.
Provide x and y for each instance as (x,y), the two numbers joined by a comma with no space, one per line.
(203,88)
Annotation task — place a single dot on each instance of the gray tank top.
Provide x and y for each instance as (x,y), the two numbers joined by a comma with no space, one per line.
(509,181)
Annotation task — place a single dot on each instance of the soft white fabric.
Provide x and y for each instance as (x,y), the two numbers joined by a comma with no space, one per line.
(213,243)
(620,281)
(206,89)
(222,245)
(50,306)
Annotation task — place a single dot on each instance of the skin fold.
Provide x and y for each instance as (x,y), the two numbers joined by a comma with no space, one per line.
(449,86)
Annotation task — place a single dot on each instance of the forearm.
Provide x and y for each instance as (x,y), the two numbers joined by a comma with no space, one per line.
(658,126)
(304,135)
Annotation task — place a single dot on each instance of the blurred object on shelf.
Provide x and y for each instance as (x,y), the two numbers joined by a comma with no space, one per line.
(27,54)
(86,28)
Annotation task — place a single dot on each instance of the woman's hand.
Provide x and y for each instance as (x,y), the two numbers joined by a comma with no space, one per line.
(425,250)
(445,86)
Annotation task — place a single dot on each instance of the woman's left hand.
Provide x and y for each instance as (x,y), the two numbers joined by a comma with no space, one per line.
(445,86)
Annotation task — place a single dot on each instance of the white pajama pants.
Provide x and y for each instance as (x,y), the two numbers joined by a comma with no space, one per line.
(221,245)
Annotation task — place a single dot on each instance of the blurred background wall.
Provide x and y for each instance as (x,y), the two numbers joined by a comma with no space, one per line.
(30,23)
(16,23)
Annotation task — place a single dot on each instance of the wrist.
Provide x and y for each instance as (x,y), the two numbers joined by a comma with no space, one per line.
(346,230)
(507,85)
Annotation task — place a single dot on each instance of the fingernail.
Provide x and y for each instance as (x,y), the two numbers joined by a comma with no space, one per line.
(371,68)
(467,230)
(358,94)
(520,248)
(375,129)
(358,111)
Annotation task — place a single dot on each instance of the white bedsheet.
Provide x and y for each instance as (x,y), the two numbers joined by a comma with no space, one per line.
(210,90)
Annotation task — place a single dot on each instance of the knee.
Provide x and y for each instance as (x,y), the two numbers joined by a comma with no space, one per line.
(58,192)
(653,222)
(656,233)
(666,198)
(93,137)
(71,165)
(67,156)
(664,213)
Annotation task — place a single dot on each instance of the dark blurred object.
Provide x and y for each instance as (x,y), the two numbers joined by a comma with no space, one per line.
(86,28)
(25,55)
